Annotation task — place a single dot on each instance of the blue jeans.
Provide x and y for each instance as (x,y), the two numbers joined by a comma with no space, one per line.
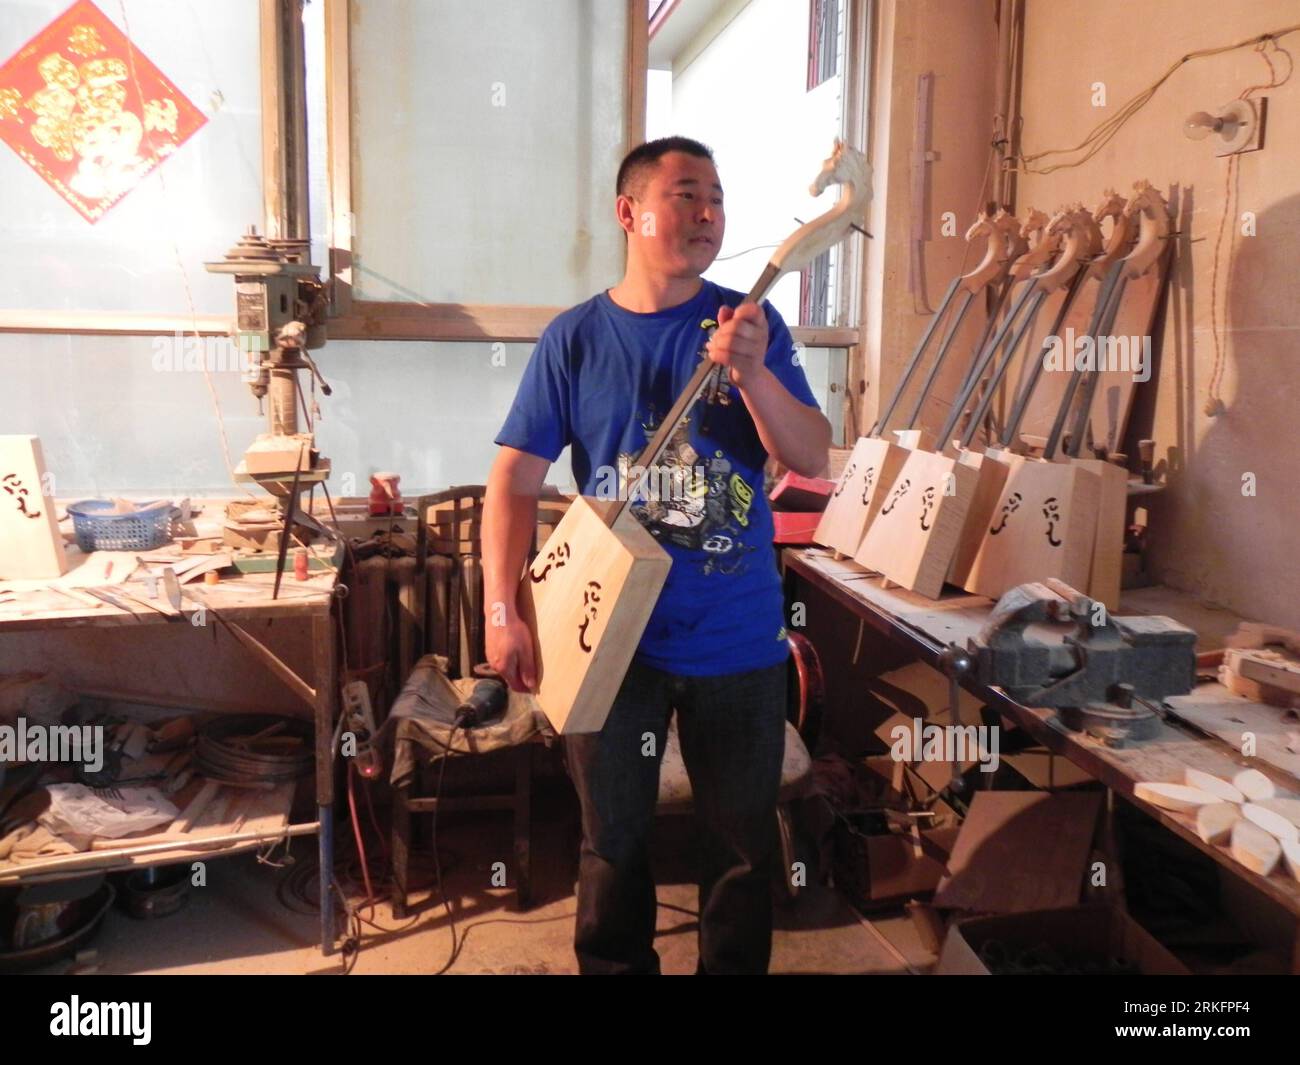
(732,733)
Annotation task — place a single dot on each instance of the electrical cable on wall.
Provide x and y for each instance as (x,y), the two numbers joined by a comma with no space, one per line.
(1214,405)
(1104,131)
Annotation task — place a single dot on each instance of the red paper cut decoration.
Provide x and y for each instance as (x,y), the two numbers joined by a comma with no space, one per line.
(88,110)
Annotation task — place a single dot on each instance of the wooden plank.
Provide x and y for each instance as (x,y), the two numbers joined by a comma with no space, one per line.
(1235,721)
(110,323)
(385,320)
(586,598)
(30,544)
(1107,564)
(1019,851)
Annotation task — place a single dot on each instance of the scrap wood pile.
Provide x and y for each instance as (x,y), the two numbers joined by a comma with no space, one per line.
(80,775)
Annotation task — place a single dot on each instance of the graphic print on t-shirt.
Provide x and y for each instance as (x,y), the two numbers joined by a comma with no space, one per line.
(706,507)
(696,501)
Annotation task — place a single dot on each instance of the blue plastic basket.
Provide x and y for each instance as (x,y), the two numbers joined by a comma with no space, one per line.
(98,530)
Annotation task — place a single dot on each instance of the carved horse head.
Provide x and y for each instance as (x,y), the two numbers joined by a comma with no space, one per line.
(844,166)
(1154,225)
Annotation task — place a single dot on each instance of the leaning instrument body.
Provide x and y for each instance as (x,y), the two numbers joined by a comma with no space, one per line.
(875,461)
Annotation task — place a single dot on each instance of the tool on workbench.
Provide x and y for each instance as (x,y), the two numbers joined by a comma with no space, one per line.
(290,505)
(956,662)
(112,600)
(484,704)
(280,316)
(1104,675)
(875,459)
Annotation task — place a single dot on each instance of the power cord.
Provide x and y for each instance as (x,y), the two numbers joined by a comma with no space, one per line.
(1104,131)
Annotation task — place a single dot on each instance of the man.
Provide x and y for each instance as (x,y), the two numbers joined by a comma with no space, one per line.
(602,377)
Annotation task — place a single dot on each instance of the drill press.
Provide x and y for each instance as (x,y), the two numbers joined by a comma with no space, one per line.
(279,317)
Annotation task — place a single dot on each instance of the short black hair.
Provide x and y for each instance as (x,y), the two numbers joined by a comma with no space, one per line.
(641,158)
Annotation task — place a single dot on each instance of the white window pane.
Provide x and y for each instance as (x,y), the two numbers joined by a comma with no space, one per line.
(428,411)
(486,140)
(144,253)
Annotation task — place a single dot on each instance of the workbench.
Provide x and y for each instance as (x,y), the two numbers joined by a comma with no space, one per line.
(1201,730)
(187,658)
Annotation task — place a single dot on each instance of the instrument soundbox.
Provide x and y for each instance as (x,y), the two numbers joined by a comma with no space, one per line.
(589,593)
(915,536)
(30,544)
(1080,242)
(875,461)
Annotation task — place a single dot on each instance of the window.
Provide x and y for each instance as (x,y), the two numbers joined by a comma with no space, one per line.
(823,41)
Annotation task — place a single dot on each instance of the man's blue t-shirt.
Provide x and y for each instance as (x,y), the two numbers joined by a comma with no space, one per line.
(601,379)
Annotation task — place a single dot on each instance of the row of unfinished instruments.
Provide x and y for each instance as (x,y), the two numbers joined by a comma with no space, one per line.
(1023,480)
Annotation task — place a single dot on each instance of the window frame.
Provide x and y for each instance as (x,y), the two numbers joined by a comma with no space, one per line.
(353,319)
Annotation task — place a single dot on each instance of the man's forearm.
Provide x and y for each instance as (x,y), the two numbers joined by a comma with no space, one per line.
(509,518)
(796,435)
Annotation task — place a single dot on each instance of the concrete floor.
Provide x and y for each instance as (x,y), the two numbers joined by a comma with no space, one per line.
(236,924)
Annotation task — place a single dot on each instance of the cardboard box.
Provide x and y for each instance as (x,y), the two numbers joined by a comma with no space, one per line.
(1021,852)
(883,868)
(1079,934)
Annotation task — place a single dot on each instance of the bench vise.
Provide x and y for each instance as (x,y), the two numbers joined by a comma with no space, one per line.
(1096,668)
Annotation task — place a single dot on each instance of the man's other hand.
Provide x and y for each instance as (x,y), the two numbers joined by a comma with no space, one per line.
(740,342)
(510,652)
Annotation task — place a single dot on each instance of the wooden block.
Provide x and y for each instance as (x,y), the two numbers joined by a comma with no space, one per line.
(1214,821)
(587,597)
(280,454)
(1107,568)
(1177,797)
(1275,668)
(1288,808)
(30,544)
(859,493)
(1291,854)
(1044,526)
(1197,778)
(1254,785)
(796,493)
(1254,848)
(913,539)
(1274,824)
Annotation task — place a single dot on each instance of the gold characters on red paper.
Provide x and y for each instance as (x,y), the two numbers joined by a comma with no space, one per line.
(89,112)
